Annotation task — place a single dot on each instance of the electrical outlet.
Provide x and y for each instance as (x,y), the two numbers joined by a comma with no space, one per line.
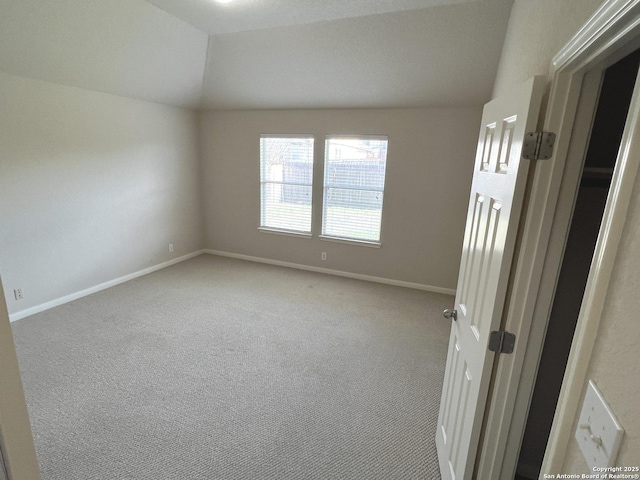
(18,294)
(323,255)
(171,248)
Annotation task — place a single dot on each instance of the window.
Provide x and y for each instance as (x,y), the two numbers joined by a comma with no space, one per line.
(286,178)
(354,171)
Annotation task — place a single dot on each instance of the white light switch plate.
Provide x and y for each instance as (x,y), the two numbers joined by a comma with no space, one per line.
(599,433)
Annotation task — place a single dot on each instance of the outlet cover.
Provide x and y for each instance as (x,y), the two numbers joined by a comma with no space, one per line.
(599,434)
(170,247)
(18,294)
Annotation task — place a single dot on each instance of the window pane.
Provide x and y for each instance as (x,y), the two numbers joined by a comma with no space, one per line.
(353,187)
(286,176)
(290,157)
(346,174)
(286,207)
(352,214)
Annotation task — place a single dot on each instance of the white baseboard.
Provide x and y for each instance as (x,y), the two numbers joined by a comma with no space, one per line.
(340,273)
(83,293)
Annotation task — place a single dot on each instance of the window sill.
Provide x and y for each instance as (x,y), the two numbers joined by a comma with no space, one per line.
(363,243)
(287,233)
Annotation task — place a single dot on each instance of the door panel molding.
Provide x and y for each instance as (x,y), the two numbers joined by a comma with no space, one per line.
(493,217)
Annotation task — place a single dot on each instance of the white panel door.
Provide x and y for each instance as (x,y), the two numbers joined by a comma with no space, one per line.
(497,193)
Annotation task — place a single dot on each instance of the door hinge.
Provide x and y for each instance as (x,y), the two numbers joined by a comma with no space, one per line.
(538,145)
(502,342)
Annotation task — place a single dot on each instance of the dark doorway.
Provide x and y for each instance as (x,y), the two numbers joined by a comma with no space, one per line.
(606,134)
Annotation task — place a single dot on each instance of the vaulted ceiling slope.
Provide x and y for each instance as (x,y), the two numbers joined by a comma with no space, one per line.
(261,53)
(124,47)
(245,15)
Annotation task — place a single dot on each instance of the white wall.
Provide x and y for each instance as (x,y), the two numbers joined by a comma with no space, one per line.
(429,167)
(537,30)
(92,187)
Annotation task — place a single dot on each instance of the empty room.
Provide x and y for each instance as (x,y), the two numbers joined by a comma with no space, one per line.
(383,239)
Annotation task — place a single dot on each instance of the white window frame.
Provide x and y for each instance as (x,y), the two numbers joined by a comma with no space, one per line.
(263,182)
(326,186)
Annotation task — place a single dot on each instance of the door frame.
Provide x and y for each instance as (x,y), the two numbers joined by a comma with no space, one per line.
(18,453)
(611,33)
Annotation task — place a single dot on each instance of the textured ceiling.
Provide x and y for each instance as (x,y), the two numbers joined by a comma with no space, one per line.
(244,15)
(282,54)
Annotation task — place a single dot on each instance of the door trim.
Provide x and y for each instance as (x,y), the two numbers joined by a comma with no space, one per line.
(16,442)
(611,33)
(3,469)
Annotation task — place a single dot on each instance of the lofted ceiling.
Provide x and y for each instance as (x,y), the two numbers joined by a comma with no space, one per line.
(256,54)
(246,15)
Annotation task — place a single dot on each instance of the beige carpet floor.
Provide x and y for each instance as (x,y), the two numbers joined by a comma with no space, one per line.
(217,368)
